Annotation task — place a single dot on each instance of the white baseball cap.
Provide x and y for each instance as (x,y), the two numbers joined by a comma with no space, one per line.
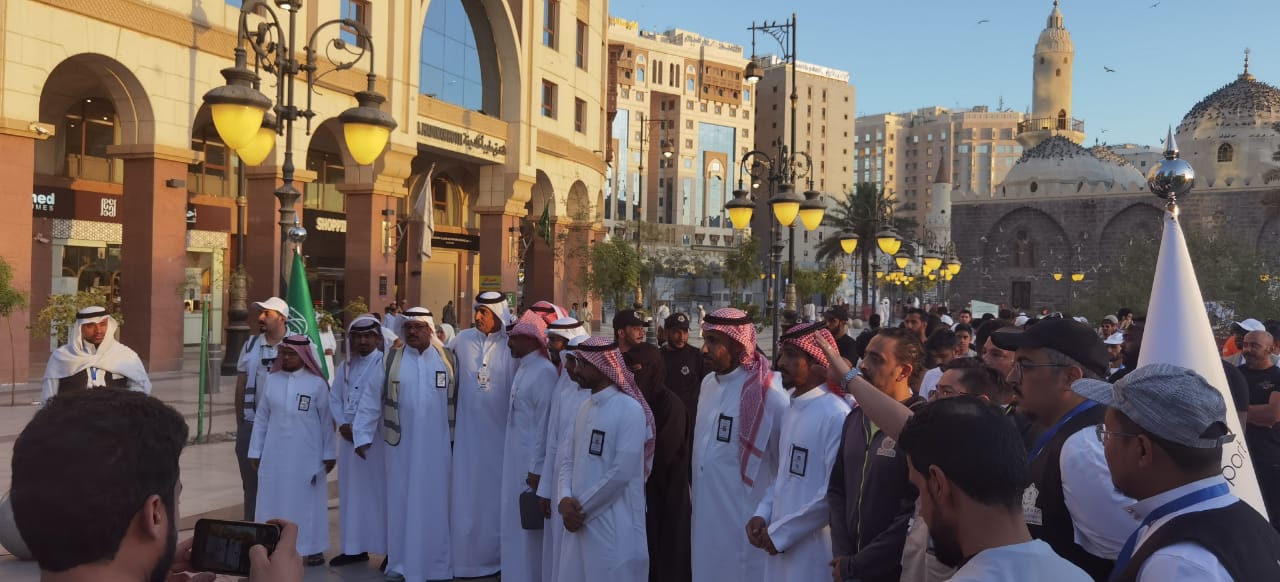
(275,304)
(1251,325)
(1114,339)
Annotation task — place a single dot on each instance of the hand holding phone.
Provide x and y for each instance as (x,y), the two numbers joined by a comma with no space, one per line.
(282,564)
(224,546)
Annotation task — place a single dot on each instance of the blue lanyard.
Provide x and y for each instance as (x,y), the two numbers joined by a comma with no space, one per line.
(1197,496)
(1053,430)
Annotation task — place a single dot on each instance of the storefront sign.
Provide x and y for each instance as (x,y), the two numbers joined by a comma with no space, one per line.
(476,144)
(450,240)
(75,205)
(490,282)
(326,243)
(326,224)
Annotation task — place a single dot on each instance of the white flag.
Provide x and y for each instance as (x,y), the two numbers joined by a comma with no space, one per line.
(1178,333)
(423,211)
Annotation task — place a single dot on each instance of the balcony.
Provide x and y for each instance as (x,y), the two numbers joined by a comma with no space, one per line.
(1051,124)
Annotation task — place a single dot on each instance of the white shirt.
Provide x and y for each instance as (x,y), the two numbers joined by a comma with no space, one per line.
(1184,561)
(1033,560)
(1099,513)
(930,382)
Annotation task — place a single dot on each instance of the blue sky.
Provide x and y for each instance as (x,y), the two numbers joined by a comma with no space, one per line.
(908,54)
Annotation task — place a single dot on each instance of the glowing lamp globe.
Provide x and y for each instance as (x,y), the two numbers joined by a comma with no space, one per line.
(366,128)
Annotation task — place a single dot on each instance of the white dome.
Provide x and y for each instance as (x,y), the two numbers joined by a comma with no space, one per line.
(1229,137)
(1058,166)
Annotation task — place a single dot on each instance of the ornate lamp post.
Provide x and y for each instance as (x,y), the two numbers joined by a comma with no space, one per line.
(249,121)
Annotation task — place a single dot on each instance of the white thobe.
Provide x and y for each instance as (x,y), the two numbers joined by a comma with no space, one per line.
(531,392)
(795,507)
(292,438)
(330,344)
(722,503)
(417,469)
(565,404)
(479,439)
(362,483)
(603,468)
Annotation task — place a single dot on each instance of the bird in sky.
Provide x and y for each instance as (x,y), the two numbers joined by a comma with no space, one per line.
(1108,69)
(984,21)
(1156,4)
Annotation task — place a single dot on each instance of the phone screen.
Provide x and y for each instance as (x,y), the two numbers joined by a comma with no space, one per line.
(223,546)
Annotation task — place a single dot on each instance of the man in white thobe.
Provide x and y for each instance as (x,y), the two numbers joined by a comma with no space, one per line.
(293,446)
(602,471)
(735,447)
(792,523)
(93,358)
(409,411)
(485,372)
(562,336)
(362,481)
(522,457)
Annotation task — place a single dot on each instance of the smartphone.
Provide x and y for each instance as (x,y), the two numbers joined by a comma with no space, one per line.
(222,546)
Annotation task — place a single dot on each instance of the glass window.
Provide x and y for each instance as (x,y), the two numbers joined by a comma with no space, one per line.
(579,116)
(640,75)
(548,99)
(88,129)
(984,149)
(746,96)
(323,194)
(582,45)
(450,65)
(689,86)
(211,175)
(357,10)
(550,22)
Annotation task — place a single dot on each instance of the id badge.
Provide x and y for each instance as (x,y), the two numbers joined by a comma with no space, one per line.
(799,460)
(304,402)
(353,402)
(483,377)
(597,443)
(442,380)
(724,429)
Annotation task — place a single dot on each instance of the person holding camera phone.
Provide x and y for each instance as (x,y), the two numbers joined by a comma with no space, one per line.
(95,493)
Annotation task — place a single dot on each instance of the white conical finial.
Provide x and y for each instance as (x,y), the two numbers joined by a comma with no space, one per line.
(1178,333)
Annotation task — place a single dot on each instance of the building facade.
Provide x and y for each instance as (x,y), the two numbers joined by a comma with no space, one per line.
(501,118)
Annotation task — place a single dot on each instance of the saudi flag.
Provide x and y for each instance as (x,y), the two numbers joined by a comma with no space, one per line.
(302,316)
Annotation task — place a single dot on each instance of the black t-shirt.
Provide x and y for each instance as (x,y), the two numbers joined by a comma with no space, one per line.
(1238,385)
(1262,384)
(848,348)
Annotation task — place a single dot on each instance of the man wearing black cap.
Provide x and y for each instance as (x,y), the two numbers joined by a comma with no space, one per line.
(629,328)
(837,317)
(1071,503)
(1164,431)
(684,365)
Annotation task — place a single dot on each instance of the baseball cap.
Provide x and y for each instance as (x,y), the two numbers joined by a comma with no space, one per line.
(628,318)
(1251,325)
(837,311)
(275,304)
(1068,336)
(1114,339)
(1171,402)
(1111,318)
(677,320)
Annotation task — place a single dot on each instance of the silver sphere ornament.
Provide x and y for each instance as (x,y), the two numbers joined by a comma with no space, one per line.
(1171,179)
(297,234)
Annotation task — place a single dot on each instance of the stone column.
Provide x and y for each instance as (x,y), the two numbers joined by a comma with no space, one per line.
(262,229)
(501,206)
(17,167)
(370,268)
(153,257)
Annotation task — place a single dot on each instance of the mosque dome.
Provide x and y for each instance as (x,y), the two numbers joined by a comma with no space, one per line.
(1231,136)
(1246,101)
(1059,166)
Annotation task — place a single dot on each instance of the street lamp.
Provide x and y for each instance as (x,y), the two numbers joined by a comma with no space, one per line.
(848,241)
(239,109)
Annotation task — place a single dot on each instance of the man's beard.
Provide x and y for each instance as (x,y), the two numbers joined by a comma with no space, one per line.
(161,570)
(946,543)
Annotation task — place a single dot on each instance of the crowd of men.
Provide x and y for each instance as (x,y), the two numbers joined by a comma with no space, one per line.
(1002,448)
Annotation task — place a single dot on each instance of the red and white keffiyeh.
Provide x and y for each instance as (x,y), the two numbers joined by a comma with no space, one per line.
(532,325)
(301,345)
(549,311)
(739,326)
(603,353)
(805,336)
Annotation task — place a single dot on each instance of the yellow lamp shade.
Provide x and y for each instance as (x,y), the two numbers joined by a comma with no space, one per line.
(811,218)
(925,268)
(848,245)
(237,124)
(879,274)
(256,151)
(932,262)
(889,245)
(901,261)
(948,276)
(1077,277)
(933,276)
(741,216)
(365,141)
(1057,276)
(953,267)
(786,212)
(844,276)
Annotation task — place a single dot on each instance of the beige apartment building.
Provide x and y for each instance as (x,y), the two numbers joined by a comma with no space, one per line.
(680,117)
(825,118)
(900,152)
(501,116)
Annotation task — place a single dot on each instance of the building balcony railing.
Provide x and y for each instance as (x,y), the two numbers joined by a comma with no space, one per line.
(1051,124)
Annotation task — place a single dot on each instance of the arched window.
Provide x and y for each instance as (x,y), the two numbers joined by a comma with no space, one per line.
(449,63)
(88,128)
(1225,153)
(1062,119)
(446,202)
(639,75)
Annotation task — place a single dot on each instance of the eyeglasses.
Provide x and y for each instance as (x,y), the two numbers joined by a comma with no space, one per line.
(1019,366)
(1104,434)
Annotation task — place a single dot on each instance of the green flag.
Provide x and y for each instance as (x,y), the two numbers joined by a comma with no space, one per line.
(544,223)
(302,316)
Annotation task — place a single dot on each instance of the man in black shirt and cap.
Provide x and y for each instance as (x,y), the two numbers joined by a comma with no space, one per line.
(683,364)
(837,317)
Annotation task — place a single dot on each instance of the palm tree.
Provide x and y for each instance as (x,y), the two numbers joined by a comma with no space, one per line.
(863,211)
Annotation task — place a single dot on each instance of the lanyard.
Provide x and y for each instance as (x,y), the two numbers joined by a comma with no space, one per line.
(1053,430)
(1197,496)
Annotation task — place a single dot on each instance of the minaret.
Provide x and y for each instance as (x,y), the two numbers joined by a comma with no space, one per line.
(1052,62)
(938,219)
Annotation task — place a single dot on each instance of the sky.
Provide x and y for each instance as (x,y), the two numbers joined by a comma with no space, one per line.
(907,54)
